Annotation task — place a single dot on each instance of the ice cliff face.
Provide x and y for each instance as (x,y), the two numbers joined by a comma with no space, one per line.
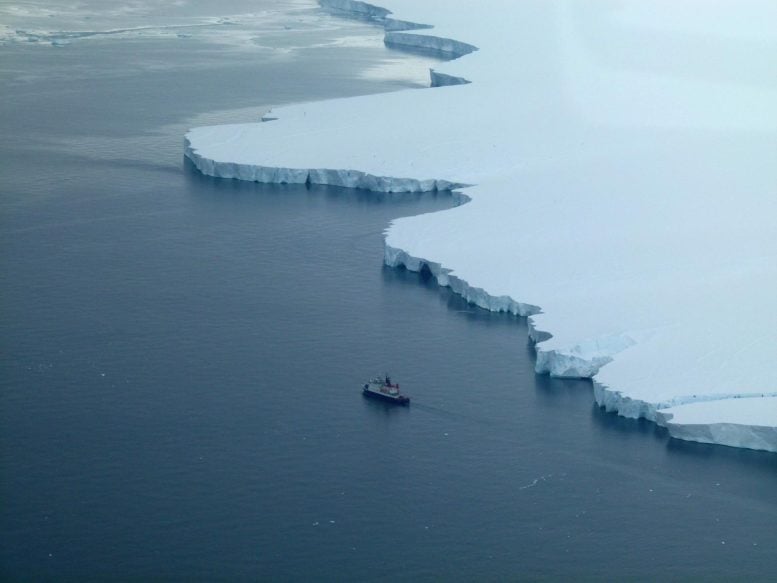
(280,175)
(378,15)
(356,8)
(737,421)
(397,36)
(478,296)
(622,190)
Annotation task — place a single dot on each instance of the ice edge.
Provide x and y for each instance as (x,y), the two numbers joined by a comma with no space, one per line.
(580,361)
(323,176)
(396,35)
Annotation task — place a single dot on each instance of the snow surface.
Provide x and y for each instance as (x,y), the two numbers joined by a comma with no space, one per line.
(620,167)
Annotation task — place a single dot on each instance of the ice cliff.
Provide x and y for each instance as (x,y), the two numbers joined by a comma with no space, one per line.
(619,160)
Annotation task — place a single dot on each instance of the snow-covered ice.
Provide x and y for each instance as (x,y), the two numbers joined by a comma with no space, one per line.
(738,422)
(621,165)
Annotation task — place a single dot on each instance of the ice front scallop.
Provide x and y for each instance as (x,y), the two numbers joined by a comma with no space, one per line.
(620,181)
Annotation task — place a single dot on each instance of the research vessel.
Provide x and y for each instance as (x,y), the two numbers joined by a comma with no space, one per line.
(383,388)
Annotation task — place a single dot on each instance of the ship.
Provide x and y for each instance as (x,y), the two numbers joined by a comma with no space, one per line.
(382,388)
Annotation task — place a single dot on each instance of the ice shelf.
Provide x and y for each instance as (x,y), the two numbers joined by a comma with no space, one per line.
(619,162)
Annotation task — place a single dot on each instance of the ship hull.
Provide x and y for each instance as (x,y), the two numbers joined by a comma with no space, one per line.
(400,400)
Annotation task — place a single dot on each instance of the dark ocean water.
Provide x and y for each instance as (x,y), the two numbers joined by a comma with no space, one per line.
(181,359)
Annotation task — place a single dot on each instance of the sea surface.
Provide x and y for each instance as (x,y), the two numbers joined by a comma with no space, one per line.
(181,357)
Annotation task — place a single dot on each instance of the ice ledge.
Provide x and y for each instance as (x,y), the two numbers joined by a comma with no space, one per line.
(730,434)
(398,258)
(585,359)
(366,11)
(370,12)
(333,177)
(615,401)
(356,8)
(746,422)
(580,361)
(396,36)
(445,46)
(443,79)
